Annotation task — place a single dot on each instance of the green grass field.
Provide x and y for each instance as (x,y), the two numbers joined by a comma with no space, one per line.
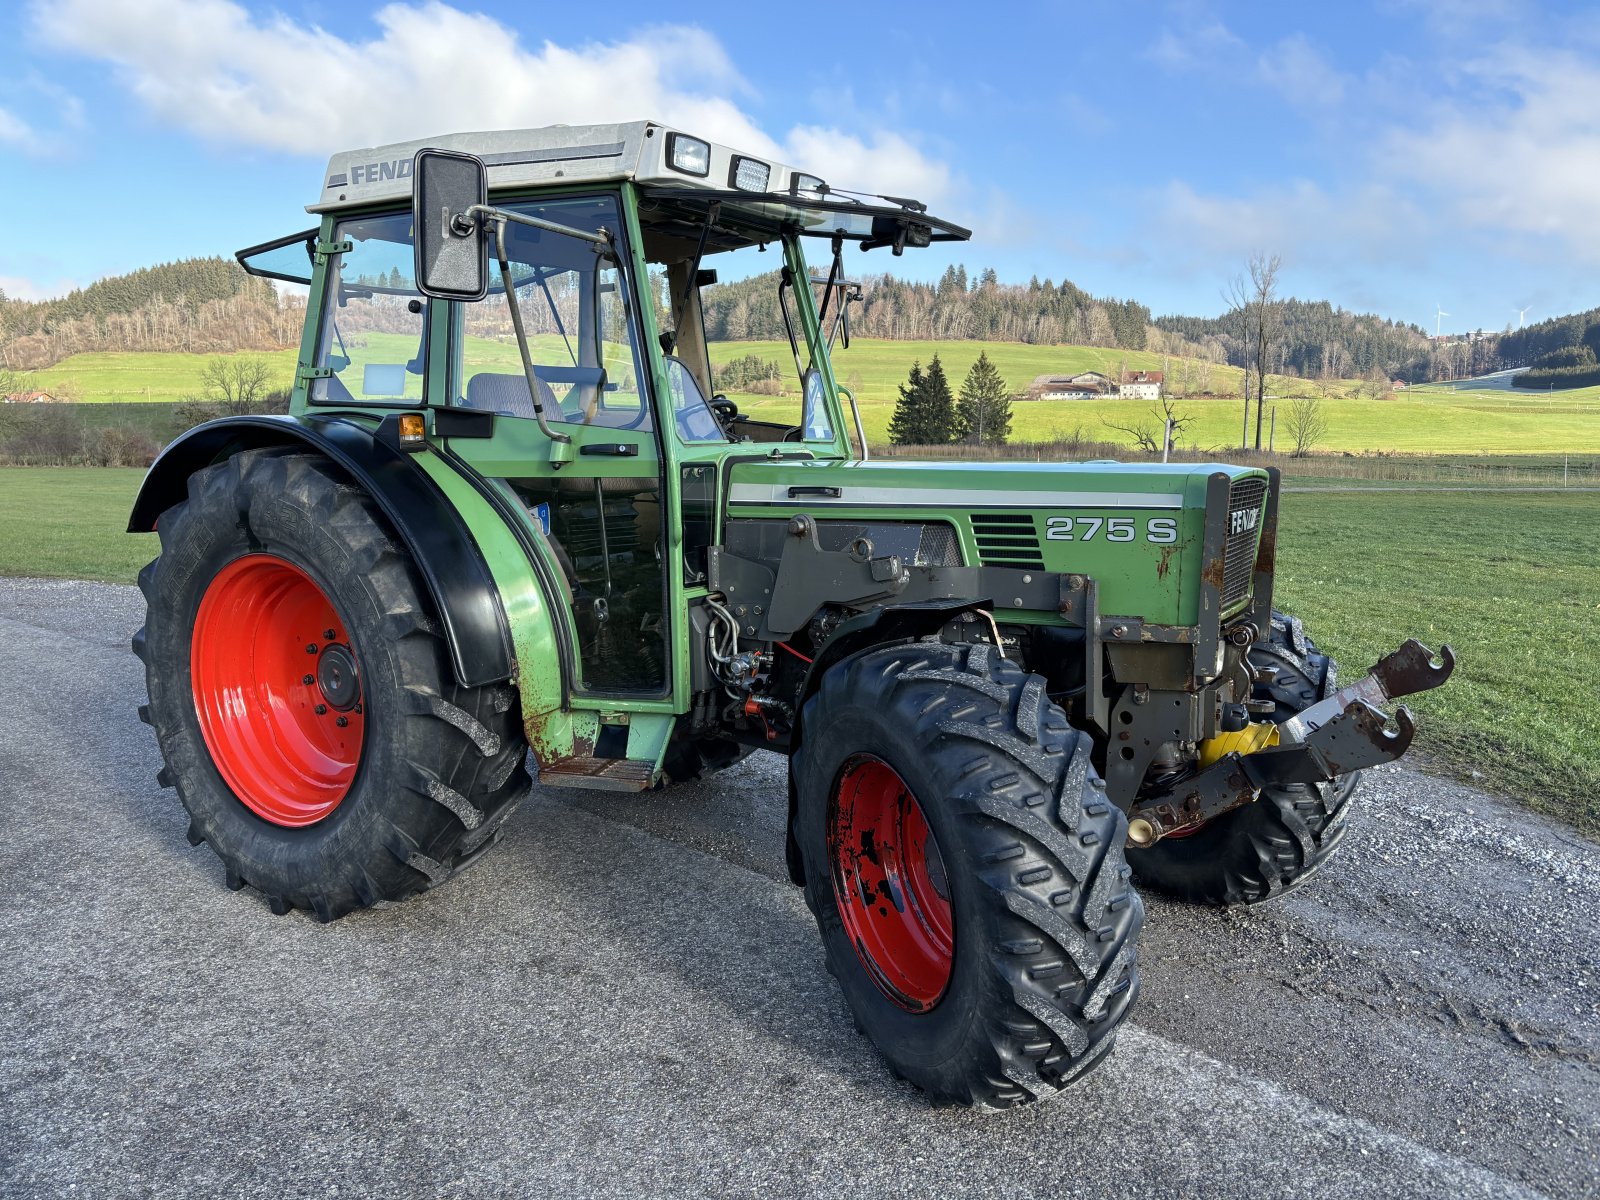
(1511,580)
(143,378)
(68,522)
(1432,419)
(1418,421)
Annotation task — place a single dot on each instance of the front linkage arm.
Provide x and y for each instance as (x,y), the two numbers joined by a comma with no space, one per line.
(1345,732)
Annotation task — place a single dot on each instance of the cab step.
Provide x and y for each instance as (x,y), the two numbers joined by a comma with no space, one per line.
(599,774)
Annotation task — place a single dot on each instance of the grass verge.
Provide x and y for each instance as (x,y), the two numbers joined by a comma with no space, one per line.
(1511,581)
(68,522)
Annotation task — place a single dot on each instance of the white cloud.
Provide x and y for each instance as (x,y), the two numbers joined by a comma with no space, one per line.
(18,287)
(14,131)
(1196,39)
(215,69)
(1297,69)
(1309,224)
(1524,158)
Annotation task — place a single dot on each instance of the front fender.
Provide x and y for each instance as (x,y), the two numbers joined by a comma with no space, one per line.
(440,542)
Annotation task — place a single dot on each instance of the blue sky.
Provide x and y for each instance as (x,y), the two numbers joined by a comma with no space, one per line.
(1400,155)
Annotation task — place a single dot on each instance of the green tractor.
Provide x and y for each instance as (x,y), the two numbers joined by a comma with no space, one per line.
(510,511)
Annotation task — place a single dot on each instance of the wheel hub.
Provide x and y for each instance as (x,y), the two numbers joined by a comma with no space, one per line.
(277,690)
(890,883)
(336,677)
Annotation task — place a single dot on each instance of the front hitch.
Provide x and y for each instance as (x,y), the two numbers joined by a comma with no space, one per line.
(1347,731)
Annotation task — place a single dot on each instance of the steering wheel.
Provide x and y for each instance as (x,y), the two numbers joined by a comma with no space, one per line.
(726,412)
(691,424)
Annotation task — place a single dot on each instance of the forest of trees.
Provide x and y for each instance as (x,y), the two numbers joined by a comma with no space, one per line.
(956,308)
(1560,352)
(199,304)
(1319,341)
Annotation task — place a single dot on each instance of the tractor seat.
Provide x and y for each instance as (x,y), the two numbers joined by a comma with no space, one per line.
(509,394)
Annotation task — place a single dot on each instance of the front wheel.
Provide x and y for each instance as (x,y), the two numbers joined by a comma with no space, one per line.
(966,872)
(1265,848)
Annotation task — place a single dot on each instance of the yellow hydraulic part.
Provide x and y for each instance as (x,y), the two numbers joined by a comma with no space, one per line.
(1248,740)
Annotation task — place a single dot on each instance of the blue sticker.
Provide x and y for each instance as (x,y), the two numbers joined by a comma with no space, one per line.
(541,513)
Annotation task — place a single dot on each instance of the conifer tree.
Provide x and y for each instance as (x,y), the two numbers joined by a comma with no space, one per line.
(984,411)
(906,426)
(938,406)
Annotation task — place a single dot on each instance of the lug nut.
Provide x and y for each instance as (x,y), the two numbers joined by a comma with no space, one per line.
(330,634)
(322,710)
(311,647)
(308,680)
(342,722)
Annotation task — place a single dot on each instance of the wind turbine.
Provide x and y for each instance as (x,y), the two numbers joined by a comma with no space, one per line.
(1438,321)
(1522,314)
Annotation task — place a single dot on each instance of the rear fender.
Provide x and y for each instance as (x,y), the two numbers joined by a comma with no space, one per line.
(459,580)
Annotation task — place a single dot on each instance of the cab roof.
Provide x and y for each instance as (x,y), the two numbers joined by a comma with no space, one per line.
(636,150)
(640,151)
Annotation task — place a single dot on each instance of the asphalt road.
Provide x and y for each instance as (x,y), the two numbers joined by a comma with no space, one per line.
(626,998)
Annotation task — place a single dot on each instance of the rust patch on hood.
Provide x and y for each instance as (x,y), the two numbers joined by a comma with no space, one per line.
(1165,564)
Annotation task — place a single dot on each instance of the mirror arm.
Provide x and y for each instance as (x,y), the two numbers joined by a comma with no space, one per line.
(516,323)
(487,212)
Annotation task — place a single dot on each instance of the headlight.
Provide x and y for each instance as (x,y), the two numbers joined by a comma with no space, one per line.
(688,154)
(800,185)
(749,174)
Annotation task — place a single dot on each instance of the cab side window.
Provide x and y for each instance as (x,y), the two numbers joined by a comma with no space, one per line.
(374,321)
(582,333)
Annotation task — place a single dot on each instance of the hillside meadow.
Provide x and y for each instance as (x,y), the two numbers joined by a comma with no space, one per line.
(1433,419)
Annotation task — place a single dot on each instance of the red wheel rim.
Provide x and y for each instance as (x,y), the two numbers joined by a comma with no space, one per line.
(890,884)
(277,690)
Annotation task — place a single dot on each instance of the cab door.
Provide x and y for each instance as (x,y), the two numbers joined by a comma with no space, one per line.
(596,503)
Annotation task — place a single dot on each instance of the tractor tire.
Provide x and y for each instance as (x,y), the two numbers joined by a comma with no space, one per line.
(966,871)
(1266,848)
(303,696)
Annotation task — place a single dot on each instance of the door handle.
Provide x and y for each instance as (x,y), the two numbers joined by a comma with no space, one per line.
(832,493)
(614,449)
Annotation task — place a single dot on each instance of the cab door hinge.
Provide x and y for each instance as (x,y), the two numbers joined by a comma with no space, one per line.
(306,374)
(325,250)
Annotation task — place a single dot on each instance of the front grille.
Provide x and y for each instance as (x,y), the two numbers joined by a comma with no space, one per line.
(939,547)
(1007,540)
(1244,529)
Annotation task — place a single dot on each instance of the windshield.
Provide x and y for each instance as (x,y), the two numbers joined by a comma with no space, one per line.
(729,311)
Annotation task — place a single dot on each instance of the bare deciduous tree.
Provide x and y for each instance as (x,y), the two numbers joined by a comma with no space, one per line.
(1254,305)
(1149,431)
(1306,423)
(236,384)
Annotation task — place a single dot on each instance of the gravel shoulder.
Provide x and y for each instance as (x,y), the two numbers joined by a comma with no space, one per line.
(627,997)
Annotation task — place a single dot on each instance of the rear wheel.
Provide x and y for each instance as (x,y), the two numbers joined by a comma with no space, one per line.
(304,699)
(965,870)
(1263,849)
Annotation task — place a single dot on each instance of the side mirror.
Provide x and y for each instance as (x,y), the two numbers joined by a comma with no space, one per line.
(452,247)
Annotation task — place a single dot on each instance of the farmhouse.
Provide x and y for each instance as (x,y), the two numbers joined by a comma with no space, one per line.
(1069,387)
(30,398)
(1140,385)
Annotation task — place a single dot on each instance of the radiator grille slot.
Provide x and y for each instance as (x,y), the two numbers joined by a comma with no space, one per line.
(1244,529)
(1007,540)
